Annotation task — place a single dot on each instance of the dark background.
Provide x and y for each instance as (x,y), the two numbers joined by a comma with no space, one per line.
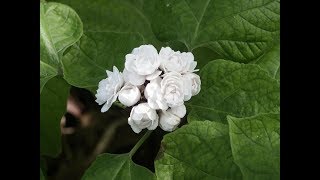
(86,133)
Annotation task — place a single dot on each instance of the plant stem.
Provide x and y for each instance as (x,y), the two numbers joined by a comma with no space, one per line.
(139,143)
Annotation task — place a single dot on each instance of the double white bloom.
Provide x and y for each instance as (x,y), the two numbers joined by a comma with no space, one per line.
(141,64)
(142,116)
(170,82)
(108,90)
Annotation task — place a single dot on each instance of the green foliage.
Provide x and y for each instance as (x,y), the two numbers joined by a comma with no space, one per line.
(53,101)
(60,27)
(116,166)
(86,62)
(236,30)
(270,61)
(230,88)
(200,150)
(255,143)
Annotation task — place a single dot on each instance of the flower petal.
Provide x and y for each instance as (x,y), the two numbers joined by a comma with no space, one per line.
(133,126)
(133,78)
(153,75)
(179,111)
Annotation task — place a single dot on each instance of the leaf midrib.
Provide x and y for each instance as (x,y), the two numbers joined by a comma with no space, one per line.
(199,21)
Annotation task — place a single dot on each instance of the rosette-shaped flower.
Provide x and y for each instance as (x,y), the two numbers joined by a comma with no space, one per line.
(143,116)
(129,95)
(154,96)
(170,119)
(192,85)
(172,88)
(175,61)
(108,89)
(141,64)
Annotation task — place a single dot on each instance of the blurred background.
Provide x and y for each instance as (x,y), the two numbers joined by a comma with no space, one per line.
(86,133)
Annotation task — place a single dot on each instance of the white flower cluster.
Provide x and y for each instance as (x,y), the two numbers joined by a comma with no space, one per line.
(160,82)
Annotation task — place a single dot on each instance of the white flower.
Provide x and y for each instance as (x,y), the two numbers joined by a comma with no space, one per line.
(142,64)
(154,96)
(168,121)
(142,116)
(108,89)
(194,83)
(129,95)
(172,88)
(175,61)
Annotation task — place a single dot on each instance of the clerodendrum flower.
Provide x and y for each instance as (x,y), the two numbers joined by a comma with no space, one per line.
(142,64)
(172,89)
(192,85)
(175,61)
(108,89)
(143,116)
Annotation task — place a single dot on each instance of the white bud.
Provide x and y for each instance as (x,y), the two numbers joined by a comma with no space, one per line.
(179,111)
(129,95)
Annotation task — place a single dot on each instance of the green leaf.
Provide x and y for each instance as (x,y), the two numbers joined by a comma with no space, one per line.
(199,150)
(255,143)
(116,166)
(41,175)
(203,55)
(236,30)
(46,73)
(60,27)
(53,101)
(270,61)
(230,88)
(86,62)
(114,16)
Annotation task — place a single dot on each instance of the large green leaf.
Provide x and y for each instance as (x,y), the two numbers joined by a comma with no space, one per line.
(116,166)
(230,88)
(86,62)
(60,27)
(270,61)
(255,143)
(237,30)
(114,16)
(199,150)
(53,100)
